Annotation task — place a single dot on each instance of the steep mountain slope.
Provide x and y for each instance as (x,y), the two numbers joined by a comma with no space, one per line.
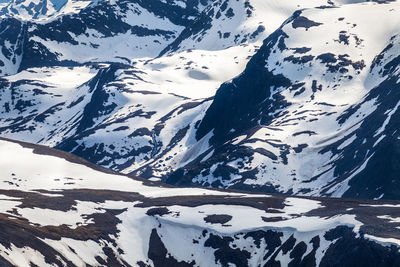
(27,9)
(128,29)
(70,212)
(310,116)
(227,23)
(12,38)
(123,100)
(40,10)
(194,74)
(35,109)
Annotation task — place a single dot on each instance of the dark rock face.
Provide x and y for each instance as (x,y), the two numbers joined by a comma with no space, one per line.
(349,250)
(381,148)
(218,218)
(159,254)
(239,105)
(303,22)
(224,254)
(12,37)
(158,211)
(346,250)
(98,105)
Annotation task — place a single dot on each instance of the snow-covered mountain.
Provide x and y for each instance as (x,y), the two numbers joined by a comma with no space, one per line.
(295,97)
(128,29)
(310,115)
(305,110)
(69,212)
(100,96)
(27,10)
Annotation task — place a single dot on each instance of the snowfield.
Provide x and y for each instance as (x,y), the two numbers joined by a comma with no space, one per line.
(63,204)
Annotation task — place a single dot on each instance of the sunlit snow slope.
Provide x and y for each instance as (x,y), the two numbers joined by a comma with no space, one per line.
(70,212)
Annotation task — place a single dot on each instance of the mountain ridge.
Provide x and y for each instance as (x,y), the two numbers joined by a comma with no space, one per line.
(99,215)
